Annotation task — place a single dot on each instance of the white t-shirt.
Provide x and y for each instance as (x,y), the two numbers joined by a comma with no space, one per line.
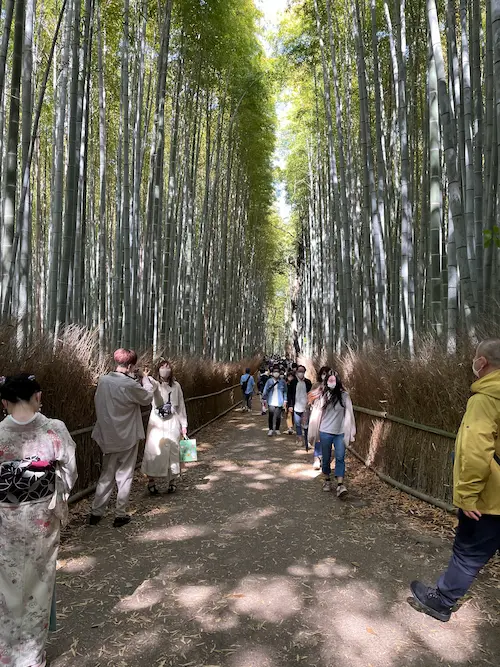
(300,396)
(274,402)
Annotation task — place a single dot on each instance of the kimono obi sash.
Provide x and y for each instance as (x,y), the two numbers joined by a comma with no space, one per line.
(27,480)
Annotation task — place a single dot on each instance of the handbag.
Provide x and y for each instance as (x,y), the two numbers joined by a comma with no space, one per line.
(188,451)
(165,411)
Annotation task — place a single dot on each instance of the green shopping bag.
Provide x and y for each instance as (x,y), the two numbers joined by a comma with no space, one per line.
(188,451)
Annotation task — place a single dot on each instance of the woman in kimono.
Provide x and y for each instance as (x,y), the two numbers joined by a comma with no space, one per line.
(37,472)
(167,423)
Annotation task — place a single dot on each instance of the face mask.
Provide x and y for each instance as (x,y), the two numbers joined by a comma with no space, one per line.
(476,372)
(276,376)
(165,372)
(332,383)
(323,377)
(300,376)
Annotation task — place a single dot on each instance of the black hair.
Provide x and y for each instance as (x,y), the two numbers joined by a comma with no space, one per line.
(301,366)
(16,388)
(333,396)
(323,369)
(247,370)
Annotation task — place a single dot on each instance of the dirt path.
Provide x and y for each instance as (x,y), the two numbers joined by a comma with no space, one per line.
(252,565)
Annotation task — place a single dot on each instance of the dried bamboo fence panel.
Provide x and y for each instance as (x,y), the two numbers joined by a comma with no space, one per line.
(411,455)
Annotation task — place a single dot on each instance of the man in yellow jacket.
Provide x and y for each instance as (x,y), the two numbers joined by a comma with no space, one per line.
(476,489)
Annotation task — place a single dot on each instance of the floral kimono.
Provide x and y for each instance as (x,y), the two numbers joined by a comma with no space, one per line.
(37,472)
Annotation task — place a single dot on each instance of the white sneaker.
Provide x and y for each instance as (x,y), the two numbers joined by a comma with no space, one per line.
(341,491)
(290,431)
(269,433)
(317,463)
(276,433)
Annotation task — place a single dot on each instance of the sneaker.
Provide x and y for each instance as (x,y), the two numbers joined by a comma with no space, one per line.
(317,463)
(270,433)
(276,432)
(290,431)
(94,519)
(341,491)
(429,602)
(327,485)
(121,521)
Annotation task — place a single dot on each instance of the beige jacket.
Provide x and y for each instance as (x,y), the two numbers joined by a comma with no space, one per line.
(118,402)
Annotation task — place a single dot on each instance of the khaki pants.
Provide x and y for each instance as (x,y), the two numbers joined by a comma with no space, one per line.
(117,468)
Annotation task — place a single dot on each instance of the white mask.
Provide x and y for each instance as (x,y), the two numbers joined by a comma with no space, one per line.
(165,372)
(300,376)
(276,375)
(332,383)
(476,372)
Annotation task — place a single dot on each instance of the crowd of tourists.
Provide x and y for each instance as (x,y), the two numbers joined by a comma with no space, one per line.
(320,415)
(38,471)
(323,416)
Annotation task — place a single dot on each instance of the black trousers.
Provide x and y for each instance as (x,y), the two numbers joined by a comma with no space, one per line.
(476,542)
(274,418)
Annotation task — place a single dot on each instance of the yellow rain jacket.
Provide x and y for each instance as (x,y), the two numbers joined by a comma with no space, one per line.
(476,472)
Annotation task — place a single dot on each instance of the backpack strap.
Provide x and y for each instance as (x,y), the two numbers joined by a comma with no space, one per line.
(497,458)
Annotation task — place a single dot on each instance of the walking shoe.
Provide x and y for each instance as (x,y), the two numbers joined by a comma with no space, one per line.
(270,433)
(121,521)
(341,491)
(429,602)
(317,463)
(276,433)
(172,488)
(290,431)
(153,490)
(94,519)
(327,485)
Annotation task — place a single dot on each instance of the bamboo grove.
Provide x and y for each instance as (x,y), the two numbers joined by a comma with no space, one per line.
(136,172)
(392,174)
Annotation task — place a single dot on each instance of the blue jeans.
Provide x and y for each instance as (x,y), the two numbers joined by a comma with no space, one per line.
(476,542)
(326,441)
(301,432)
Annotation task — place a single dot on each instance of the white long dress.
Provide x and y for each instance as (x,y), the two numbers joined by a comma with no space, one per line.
(161,453)
(29,536)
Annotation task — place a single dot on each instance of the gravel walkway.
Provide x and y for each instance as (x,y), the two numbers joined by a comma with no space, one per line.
(250,564)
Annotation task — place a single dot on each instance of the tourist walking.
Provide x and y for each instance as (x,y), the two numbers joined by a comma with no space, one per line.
(290,377)
(167,424)
(261,383)
(333,418)
(37,473)
(275,400)
(118,430)
(315,393)
(476,489)
(298,390)
(247,383)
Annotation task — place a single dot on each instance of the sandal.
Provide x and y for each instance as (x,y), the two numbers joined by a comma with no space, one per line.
(153,489)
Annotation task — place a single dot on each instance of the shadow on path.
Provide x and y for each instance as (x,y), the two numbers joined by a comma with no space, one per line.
(250,564)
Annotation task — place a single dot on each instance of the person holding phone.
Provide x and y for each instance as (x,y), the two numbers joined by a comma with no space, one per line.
(118,430)
(167,424)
